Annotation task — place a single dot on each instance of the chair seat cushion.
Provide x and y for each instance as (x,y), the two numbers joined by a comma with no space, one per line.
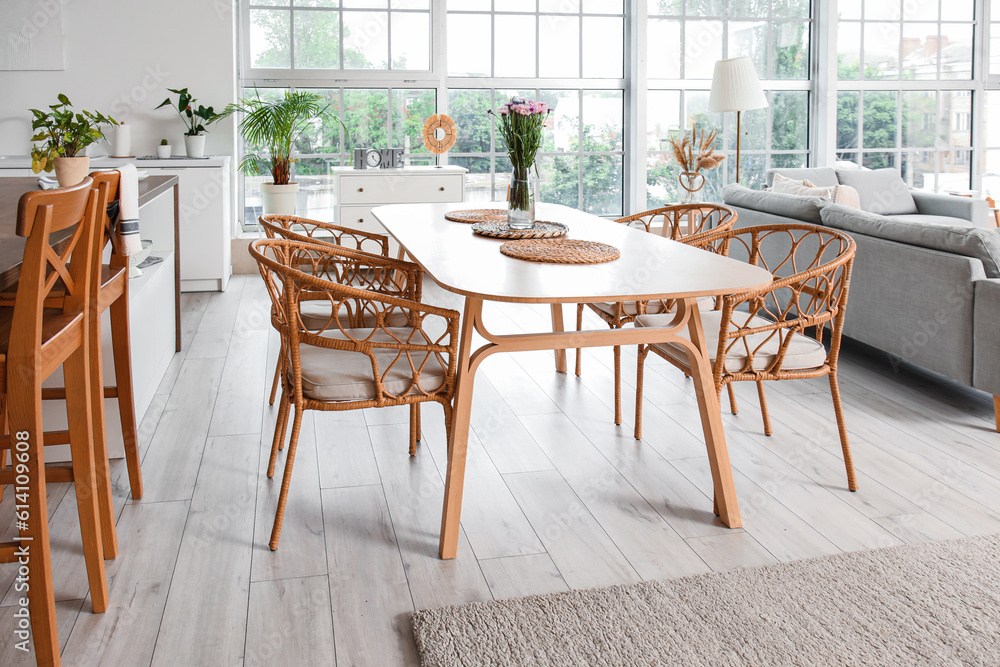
(341,375)
(652,307)
(316,316)
(804,352)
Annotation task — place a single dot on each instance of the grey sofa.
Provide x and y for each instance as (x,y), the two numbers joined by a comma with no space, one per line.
(926,282)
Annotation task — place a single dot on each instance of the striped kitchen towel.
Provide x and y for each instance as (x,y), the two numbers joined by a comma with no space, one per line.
(128,219)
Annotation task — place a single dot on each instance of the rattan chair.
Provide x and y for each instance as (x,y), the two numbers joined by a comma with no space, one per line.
(361,361)
(774,333)
(313,231)
(687,223)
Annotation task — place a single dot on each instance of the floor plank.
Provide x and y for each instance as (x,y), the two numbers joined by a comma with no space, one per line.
(368,586)
(290,622)
(210,598)
(514,576)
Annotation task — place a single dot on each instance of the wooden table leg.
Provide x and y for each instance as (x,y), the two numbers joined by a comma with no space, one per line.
(557,327)
(458,439)
(711,421)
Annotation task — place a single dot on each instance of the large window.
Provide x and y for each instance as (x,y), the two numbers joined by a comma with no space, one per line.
(684,39)
(901,103)
(335,34)
(912,87)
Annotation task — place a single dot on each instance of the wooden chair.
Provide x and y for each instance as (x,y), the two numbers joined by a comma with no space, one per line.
(49,337)
(361,361)
(110,285)
(687,223)
(294,227)
(774,333)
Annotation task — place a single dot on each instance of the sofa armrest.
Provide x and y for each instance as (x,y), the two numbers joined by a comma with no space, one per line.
(967,208)
(986,368)
(805,209)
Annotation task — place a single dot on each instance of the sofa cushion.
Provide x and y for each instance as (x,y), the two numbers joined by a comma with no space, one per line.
(819,176)
(965,240)
(881,190)
(838,194)
(790,206)
(945,220)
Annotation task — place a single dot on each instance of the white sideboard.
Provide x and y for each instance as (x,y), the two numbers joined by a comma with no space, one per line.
(206,220)
(360,190)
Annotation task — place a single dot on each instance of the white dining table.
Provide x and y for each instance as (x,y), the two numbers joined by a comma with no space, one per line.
(649,268)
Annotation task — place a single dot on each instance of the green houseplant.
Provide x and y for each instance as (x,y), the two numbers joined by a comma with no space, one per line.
(270,129)
(64,135)
(195,119)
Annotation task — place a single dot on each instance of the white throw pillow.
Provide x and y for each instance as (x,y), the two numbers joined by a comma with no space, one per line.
(790,186)
(839,194)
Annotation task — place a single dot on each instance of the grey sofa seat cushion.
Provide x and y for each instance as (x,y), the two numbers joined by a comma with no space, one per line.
(881,190)
(806,209)
(981,244)
(822,177)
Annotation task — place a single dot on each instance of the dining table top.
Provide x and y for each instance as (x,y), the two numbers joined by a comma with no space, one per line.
(649,266)
(12,245)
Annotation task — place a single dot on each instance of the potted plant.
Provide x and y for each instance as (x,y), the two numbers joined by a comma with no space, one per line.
(163,151)
(194,119)
(270,129)
(64,135)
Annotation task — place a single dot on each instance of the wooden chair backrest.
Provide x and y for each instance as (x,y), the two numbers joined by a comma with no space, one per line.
(40,215)
(112,178)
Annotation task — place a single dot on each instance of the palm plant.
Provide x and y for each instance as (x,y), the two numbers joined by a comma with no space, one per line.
(271,127)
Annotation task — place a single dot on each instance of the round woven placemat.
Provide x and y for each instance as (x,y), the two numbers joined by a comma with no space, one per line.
(500,230)
(561,251)
(472,215)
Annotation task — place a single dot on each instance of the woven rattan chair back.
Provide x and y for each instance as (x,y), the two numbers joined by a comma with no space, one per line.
(368,289)
(812,269)
(683,222)
(324,232)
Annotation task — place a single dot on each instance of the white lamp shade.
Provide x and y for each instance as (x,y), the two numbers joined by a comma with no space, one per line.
(735,86)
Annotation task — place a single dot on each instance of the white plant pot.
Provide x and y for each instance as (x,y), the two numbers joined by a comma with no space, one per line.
(195,145)
(163,152)
(71,170)
(279,199)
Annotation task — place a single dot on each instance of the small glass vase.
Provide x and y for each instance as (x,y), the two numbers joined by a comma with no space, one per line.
(521,201)
(691,182)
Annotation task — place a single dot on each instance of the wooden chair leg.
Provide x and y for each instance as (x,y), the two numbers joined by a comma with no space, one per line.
(732,400)
(414,427)
(643,351)
(121,348)
(618,385)
(78,412)
(838,408)
(996,411)
(279,434)
(26,417)
(277,374)
(579,327)
(286,479)
(763,407)
(102,472)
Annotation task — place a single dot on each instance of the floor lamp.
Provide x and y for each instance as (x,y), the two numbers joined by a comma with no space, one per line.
(735,87)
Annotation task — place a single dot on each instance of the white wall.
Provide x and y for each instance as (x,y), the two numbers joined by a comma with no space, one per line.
(120,56)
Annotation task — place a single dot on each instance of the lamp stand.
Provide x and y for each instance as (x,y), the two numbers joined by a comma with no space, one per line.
(739,135)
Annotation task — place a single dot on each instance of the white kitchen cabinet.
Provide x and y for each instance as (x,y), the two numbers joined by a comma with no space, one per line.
(360,190)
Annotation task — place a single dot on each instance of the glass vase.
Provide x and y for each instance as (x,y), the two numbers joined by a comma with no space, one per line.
(521,200)
(691,182)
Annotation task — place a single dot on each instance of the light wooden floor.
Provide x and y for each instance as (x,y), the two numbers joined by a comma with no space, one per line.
(557,497)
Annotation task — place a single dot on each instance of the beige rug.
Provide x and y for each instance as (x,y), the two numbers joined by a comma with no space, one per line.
(932,604)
